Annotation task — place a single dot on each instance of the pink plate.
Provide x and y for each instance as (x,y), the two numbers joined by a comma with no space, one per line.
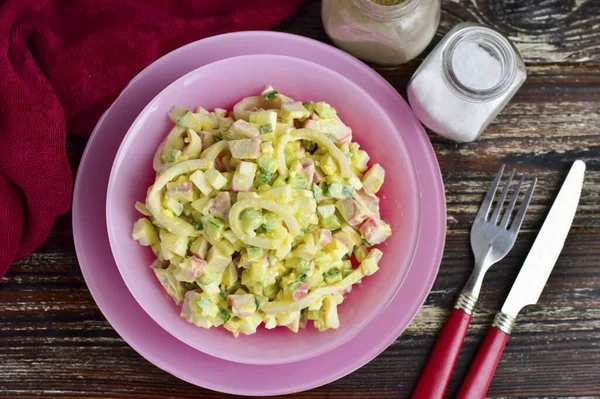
(170,354)
(221,84)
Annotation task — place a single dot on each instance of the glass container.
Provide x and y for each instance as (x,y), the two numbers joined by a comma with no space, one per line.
(384,34)
(466,81)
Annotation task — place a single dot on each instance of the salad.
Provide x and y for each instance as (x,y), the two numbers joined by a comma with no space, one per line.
(267,214)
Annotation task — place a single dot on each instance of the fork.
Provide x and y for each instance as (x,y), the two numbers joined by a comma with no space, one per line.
(492,238)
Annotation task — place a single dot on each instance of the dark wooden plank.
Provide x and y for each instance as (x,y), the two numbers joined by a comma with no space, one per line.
(42,332)
(54,342)
(544,31)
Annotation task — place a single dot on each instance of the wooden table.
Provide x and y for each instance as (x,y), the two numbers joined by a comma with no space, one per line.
(54,341)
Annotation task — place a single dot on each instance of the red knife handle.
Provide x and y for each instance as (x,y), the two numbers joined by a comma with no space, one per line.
(482,370)
(438,369)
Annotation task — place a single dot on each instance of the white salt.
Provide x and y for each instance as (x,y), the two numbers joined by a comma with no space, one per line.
(465,82)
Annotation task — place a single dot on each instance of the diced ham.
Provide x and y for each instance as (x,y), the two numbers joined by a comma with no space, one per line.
(308,169)
(184,187)
(220,205)
(219,164)
(242,305)
(207,138)
(186,310)
(318,176)
(343,133)
(344,239)
(375,230)
(368,200)
(181,191)
(301,291)
(322,237)
(197,266)
(193,269)
(352,212)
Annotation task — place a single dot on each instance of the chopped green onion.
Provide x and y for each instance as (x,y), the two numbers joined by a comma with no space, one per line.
(189,286)
(347,191)
(254,252)
(309,146)
(197,226)
(317,192)
(264,178)
(332,275)
(270,95)
(294,284)
(259,301)
(262,229)
(223,292)
(266,129)
(309,106)
(338,190)
(204,279)
(324,110)
(224,315)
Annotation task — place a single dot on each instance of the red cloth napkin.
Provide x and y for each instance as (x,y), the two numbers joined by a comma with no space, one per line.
(61,64)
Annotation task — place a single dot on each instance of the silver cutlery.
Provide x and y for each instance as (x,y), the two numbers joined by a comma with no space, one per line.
(493,234)
(529,284)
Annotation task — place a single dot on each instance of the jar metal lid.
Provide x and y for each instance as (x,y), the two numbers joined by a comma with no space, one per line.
(479,63)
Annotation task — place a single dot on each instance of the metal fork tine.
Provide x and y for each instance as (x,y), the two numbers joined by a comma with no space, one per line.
(511,205)
(500,204)
(516,224)
(484,209)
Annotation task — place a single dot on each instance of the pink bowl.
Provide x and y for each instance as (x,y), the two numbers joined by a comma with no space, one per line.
(221,84)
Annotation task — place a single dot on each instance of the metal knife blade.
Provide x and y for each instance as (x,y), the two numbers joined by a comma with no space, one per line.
(547,246)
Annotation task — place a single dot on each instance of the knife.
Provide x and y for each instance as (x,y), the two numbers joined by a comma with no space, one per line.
(529,284)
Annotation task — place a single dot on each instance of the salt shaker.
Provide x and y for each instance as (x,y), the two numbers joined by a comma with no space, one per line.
(466,81)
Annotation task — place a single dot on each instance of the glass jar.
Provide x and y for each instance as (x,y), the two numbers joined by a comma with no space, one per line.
(387,35)
(466,81)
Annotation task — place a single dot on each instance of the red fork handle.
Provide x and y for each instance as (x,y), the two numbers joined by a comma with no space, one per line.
(482,370)
(438,369)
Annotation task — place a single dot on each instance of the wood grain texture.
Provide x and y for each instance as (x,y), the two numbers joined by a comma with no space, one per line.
(54,342)
(544,31)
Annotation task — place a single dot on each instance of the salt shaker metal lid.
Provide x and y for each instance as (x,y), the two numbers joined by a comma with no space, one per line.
(466,81)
